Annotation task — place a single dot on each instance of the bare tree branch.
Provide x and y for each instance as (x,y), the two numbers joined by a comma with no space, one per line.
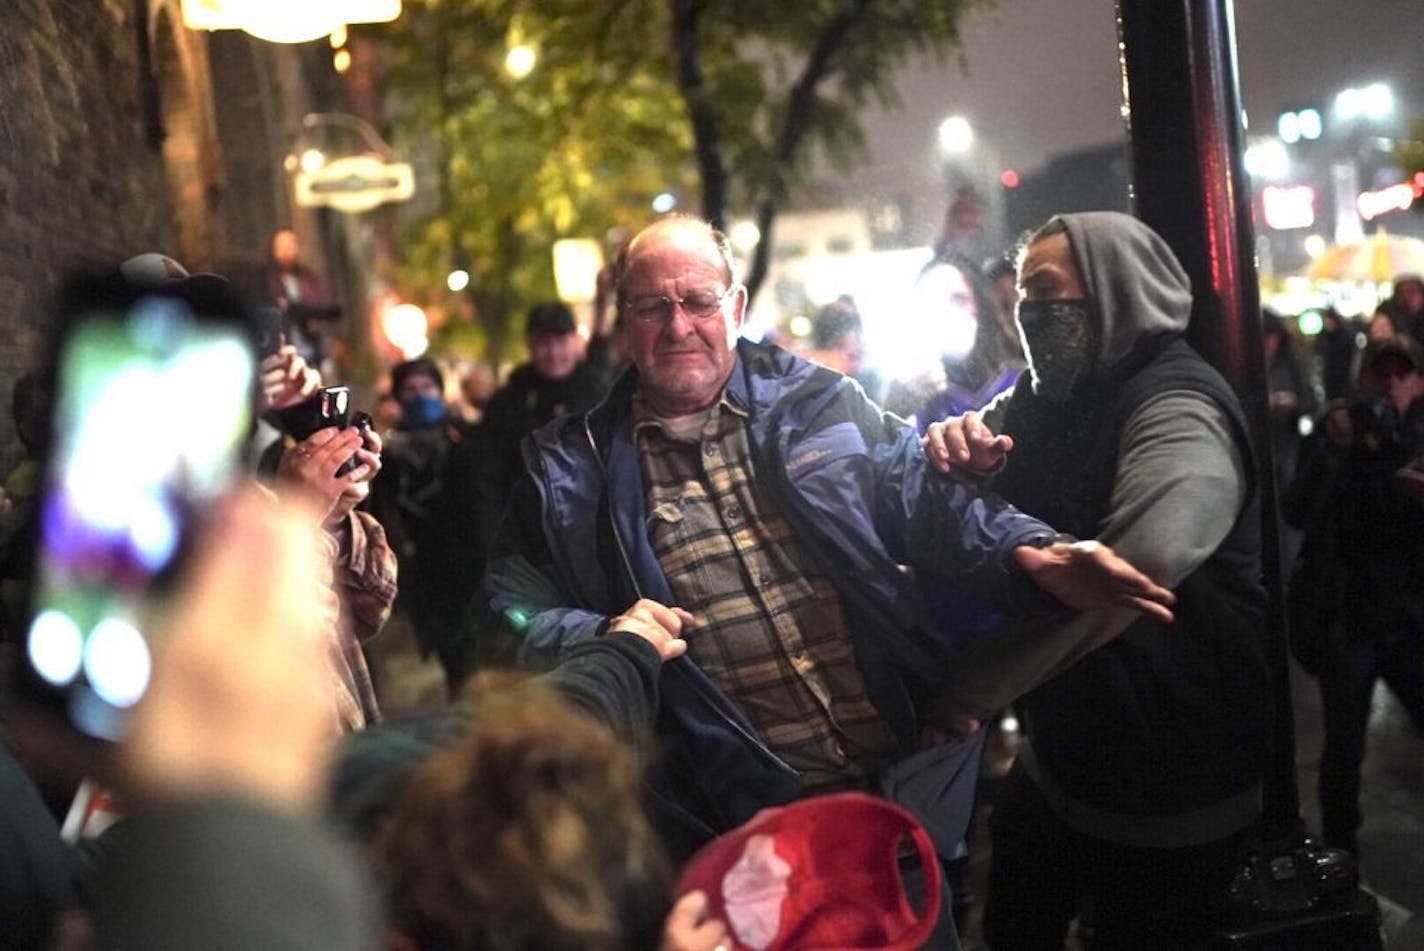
(800,109)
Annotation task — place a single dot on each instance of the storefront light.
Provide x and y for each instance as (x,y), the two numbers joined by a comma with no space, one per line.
(282,21)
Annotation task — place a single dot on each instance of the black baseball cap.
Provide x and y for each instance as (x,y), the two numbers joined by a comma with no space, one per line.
(549,317)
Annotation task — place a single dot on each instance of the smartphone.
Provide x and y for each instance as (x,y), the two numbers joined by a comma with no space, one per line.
(154,396)
(272,332)
(362,422)
(326,407)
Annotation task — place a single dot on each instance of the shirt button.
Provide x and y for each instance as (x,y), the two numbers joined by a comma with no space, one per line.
(713,449)
(734,511)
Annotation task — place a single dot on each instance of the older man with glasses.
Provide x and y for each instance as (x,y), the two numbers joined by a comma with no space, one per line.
(760,507)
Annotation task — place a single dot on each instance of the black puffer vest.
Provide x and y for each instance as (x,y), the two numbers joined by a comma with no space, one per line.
(1164,719)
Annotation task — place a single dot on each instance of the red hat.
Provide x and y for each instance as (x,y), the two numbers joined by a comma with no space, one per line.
(820,873)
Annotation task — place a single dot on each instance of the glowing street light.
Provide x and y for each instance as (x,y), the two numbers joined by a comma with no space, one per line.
(956,135)
(519,61)
(1305,124)
(312,161)
(744,236)
(1268,159)
(282,21)
(1375,102)
(406,327)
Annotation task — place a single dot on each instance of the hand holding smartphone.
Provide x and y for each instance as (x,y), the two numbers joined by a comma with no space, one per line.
(154,401)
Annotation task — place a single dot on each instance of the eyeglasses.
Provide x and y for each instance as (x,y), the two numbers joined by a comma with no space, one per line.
(699,305)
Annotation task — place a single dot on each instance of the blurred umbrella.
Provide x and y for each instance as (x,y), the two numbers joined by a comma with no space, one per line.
(1377,259)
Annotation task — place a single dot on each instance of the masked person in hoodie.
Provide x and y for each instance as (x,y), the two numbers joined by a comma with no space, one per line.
(1146,742)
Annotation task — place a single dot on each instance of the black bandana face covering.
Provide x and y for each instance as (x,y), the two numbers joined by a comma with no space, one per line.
(1061,344)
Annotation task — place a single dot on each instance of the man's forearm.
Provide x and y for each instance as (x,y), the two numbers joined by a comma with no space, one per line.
(994,672)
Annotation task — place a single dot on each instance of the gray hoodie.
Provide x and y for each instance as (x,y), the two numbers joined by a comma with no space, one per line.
(1137,288)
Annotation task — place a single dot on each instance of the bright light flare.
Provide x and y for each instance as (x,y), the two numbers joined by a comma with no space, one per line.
(1268,159)
(117,662)
(519,61)
(1375,101)
(457,280)
(406,327)
(956,135)
(744,236)
(56,647)
(312,161)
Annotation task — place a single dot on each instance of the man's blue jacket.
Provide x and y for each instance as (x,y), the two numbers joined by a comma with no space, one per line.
(854,485)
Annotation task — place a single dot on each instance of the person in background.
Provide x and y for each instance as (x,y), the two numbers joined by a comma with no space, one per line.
(1335,351)
(298,293)
(1291,398)
(1381,326)
(1357,496)
(410,500)
(1146,743)
(477,385)
(961,234)
(1000,275)
(554,382)
(836,342)
(1406,304)
(358,566)
(976,360)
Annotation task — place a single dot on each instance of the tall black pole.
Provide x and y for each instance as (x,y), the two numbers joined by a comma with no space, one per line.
(1183,112)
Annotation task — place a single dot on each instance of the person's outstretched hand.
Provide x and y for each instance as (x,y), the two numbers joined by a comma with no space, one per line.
(655,623)
(1087,575)
(240,700)
(964,442)
(689,929)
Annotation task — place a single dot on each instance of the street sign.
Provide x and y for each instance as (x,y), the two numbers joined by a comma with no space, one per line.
(355,183)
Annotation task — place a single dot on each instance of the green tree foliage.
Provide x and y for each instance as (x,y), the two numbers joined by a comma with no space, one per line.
(572,148)
(725,98)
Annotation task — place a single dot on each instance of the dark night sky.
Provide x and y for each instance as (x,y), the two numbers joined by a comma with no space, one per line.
(1042,75)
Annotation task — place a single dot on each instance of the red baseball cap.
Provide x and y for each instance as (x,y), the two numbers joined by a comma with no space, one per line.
(823,872)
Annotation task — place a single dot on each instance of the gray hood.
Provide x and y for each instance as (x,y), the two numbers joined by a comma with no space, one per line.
(1137,287)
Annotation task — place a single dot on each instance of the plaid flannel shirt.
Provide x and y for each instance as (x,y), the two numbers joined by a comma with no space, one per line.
(771,632)
(363,575)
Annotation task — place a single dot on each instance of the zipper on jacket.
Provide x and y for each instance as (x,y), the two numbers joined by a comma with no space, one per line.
(713,700)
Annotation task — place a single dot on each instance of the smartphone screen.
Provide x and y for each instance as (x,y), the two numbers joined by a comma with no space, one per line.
(152,412)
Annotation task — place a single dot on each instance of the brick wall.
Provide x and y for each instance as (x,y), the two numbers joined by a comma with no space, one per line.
(113,141)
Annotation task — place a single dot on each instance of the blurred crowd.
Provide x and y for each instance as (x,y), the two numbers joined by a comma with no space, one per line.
(260,797)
